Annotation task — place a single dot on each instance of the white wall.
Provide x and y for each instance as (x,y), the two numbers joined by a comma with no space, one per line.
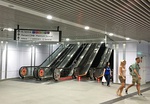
(16,55)
(143,51)
(129,52)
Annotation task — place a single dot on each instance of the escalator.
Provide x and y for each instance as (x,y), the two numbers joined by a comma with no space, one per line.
(97,60)
(105,58)
(28,71)
(67,69)
(86,62)
(47,72)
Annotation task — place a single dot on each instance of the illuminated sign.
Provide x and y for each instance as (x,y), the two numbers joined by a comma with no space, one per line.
(37,35)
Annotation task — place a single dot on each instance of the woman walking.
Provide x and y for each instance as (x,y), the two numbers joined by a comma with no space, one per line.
(122,77)
(107,73)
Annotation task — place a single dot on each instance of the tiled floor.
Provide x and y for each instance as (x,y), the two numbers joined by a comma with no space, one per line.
(67,92)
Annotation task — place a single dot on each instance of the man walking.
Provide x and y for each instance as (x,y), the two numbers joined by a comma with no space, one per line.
(136,78)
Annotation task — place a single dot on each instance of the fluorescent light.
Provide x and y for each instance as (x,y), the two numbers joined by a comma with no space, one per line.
(111,34)
(127,38)
(102,42)
(10,29)
(86,27)
(67,39)
(49,17)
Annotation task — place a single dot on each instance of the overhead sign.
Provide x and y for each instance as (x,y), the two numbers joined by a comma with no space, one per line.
(37,35)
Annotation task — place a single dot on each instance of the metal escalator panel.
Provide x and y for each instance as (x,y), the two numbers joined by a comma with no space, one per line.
(107,57)
(75,56)
(60,55)
(31,71)
(100,67)
(48,71)
(87,55)
(52,56)
(98,56)
(82,55)
(88,61)
(69,56)
(68,69)
(82,66)
(103,58)
(62,58)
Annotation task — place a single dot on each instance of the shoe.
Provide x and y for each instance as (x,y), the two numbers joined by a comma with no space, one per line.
(126,91)
(108,85)
(140,94)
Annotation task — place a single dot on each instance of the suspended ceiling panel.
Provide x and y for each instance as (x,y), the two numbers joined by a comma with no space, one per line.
(128,18)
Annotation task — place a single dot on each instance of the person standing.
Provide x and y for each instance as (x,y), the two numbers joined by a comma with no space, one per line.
(122,77)
(107,73)
(136,78)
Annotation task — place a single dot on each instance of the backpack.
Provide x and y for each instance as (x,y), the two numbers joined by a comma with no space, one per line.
(131,70)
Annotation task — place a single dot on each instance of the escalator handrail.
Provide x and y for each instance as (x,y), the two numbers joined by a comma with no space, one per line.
(72,52)
(51,55)
(58,56)
(63,56)
(91,58)
(83,54)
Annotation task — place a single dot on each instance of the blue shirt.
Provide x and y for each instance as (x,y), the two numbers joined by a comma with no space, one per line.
(107,71)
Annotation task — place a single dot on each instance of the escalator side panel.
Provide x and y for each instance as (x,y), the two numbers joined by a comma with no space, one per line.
(98,56)
(68,56)
(88,64)
(107,58)
(68,70)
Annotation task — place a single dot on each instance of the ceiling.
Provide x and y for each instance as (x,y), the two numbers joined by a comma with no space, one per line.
(124,18)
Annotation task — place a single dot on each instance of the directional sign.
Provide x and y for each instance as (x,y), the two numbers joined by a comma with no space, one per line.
(37,35)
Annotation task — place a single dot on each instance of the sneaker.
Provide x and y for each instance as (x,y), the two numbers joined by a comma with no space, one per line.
(126,91)
(140,94)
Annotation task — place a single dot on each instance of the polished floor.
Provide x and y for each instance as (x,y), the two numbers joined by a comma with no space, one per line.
(17,91)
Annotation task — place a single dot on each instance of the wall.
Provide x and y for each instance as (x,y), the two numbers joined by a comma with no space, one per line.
(129,51)
(124,51)
(13,55)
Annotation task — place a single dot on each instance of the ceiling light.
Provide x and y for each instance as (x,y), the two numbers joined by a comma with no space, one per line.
(127,38)
(1,41)
(102,42)
(49,17)
(10,29)
(39,43)
(67,39)
(86,27)
(111,34)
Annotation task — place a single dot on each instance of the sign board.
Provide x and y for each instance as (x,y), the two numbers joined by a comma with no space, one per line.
(37,35)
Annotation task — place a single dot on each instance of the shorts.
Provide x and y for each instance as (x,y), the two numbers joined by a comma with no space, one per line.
(135,79)
(121,79)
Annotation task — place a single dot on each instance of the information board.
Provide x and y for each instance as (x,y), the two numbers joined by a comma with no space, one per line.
(37,35)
